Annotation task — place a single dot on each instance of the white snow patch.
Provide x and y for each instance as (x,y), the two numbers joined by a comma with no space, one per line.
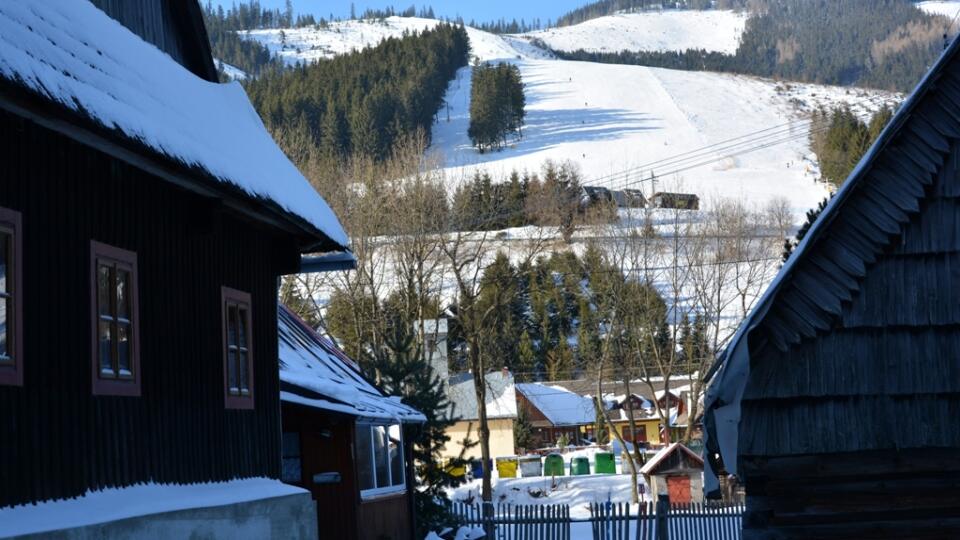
(668,30)
(946,8)
(74,54)
(233,72)
(120,503)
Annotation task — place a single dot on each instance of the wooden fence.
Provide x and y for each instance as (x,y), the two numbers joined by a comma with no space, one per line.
(664,521)
(607,521)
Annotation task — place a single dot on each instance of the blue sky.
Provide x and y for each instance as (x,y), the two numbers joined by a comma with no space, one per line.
(480,10)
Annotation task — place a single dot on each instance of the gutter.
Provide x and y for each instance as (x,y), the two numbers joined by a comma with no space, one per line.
(329,262)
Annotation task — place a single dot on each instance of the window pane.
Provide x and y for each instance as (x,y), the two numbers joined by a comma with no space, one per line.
(123,294)
(4,260)
(396,456)
(242,325)
(123,350)
(103,289)
(5,305)
(380,456)
(231,325)
(232,371)
(106,358)
(364,457)
(290,451)
(244,374)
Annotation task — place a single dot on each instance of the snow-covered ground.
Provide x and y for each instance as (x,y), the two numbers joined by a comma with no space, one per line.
(947,8)
(576,491)
(233,72)
(621,123)
(668,30)
(310,43)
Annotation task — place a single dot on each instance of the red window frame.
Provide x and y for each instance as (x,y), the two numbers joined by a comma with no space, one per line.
(11,372)
(103,254)
(229,299)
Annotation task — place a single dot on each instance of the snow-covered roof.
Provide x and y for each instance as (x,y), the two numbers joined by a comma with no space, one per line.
(73,54)
(140,500)
(651,464)
(317,374)
(501,396)
(561,406)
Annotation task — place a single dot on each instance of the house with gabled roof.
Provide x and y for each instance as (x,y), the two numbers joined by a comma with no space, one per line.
(145,217)
(836,402)
(554,411)
(344,440)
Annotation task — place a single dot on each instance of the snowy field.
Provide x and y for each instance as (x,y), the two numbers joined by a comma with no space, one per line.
(669,30)
(576,491)
(716,135)
(947,8)
(314,43)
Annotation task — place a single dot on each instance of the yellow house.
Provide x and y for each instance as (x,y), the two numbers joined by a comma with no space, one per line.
(501,400)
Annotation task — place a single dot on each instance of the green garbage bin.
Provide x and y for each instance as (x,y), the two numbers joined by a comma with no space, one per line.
(579,466)
(604,463)
(553,465)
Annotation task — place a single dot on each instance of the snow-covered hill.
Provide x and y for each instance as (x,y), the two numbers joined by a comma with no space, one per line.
(622,123)
(313,43)
(669,30)
(947,8)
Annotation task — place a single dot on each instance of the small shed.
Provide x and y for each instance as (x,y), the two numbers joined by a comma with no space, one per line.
(680,201)
(629,198)
(675,471)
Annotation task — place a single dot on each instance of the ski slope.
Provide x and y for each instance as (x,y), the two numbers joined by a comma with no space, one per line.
(621,124)
(669,30)
(947,8)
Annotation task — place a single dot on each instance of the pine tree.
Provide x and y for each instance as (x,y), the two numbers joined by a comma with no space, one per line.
(522,430)
(405,373)
(526,358)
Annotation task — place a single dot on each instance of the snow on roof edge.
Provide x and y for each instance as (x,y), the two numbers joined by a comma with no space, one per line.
(73,54)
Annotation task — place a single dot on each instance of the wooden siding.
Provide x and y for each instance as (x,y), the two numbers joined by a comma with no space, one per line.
(152,20)
(889,355)
(56,438)
(174,26)
(326,445)
(860,495)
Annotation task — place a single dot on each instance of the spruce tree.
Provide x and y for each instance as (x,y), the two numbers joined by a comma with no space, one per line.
(404,372)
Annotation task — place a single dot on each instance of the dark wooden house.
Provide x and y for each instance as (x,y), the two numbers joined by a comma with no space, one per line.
(343,439)
(629,198)
(554,411)
(145,217)
(679,201)
(837,402)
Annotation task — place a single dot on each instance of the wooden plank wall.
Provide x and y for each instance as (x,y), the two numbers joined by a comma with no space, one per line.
(56,439)
(150,19)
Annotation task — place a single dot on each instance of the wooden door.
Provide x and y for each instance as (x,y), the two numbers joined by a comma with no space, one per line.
(679,489)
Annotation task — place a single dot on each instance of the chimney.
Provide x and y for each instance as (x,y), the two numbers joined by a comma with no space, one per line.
(435,347)
(505,372)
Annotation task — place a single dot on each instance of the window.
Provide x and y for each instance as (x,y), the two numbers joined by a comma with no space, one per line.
(116,339)
(290,451)
(380,461)
(11,306)
(237,349)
